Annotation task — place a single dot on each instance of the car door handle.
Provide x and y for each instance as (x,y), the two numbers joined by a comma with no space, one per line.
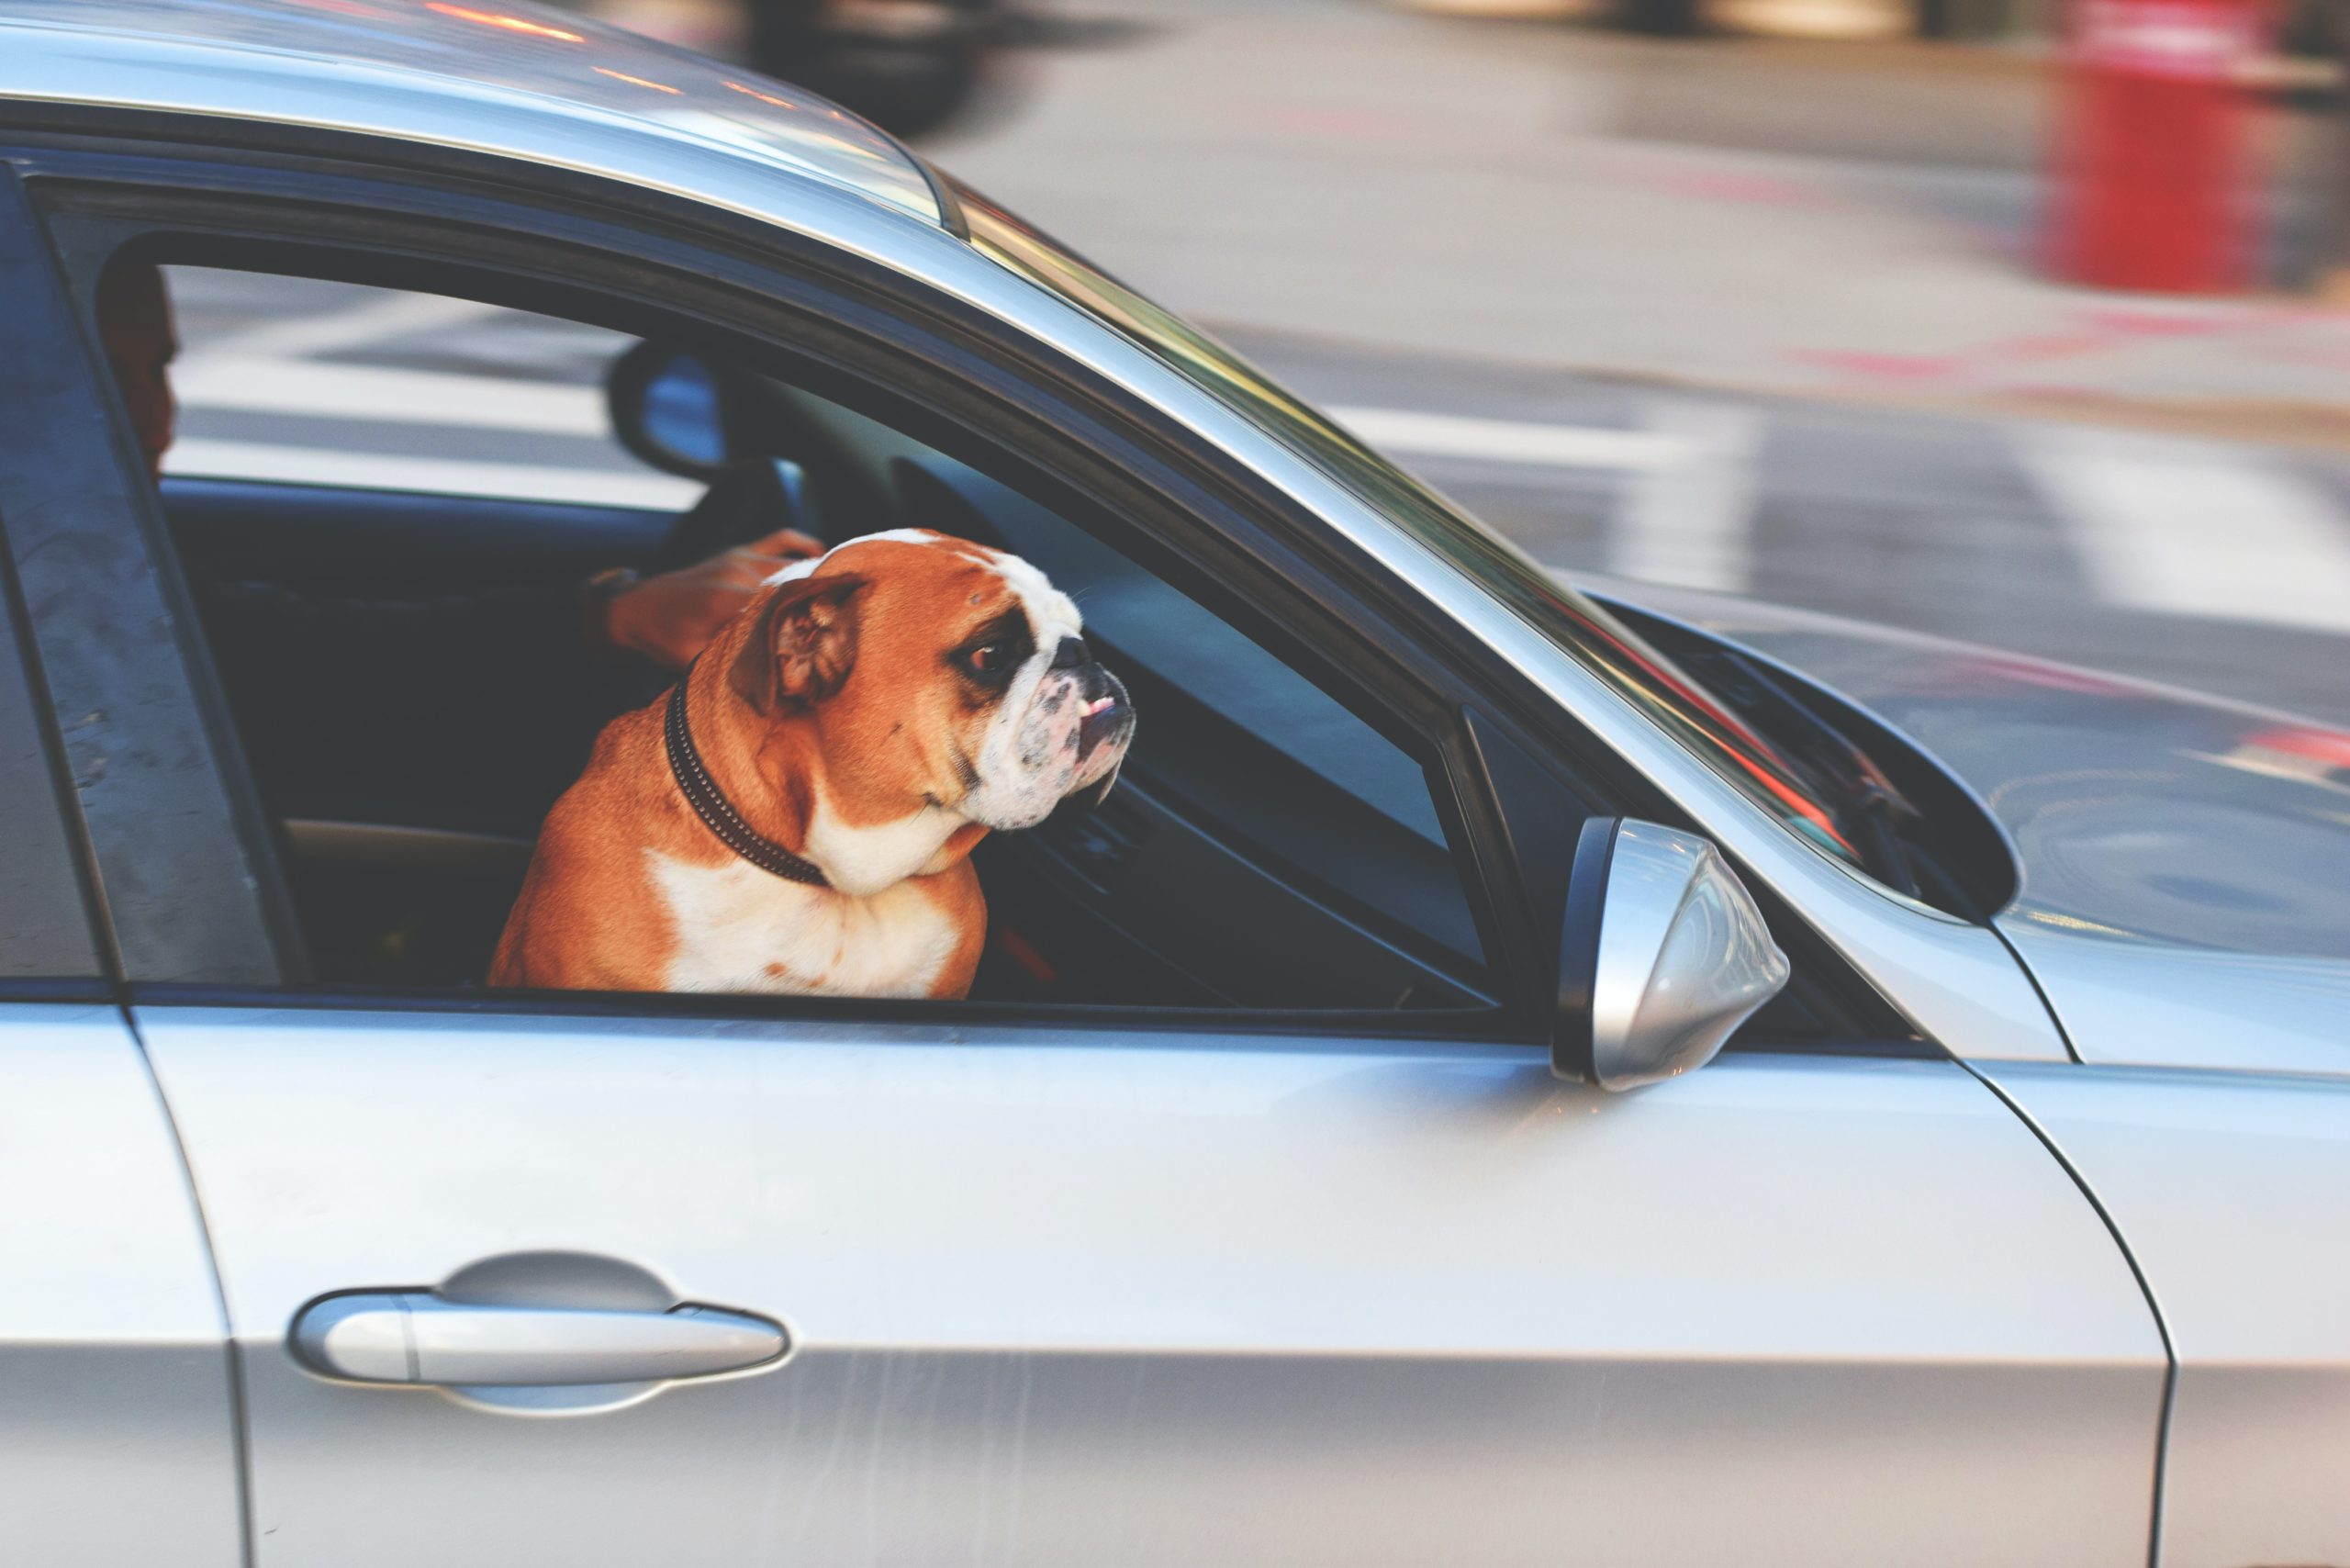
(415,1336)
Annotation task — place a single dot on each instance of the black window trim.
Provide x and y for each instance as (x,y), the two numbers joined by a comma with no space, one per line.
(33,820)
(59,468)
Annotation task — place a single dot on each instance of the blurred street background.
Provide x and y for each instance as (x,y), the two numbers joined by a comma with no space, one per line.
(1771,310)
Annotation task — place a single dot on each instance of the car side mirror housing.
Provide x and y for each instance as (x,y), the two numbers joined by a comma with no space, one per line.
(670,408)
(1662,955)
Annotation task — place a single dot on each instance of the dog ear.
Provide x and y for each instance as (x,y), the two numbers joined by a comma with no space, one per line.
(802,643)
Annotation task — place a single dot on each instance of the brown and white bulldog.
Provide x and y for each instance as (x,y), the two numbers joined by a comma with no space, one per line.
(798,814)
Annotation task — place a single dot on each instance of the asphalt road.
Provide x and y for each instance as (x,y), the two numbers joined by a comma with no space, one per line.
(2219,567)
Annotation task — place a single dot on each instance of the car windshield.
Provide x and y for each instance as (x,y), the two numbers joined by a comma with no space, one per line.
(1585,630)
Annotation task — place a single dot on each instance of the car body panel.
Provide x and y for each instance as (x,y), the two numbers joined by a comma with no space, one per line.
(2186,861)
(121,1443)
(2234,1192)
(497,76)
(2160,1005)
(1075,1296)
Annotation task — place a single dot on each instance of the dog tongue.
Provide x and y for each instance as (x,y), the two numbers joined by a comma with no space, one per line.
(1095,720)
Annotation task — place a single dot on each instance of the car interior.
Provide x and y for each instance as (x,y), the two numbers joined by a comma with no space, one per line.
(1264,847)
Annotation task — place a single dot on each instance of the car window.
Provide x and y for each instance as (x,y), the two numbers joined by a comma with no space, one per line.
(396,524)
(292,380)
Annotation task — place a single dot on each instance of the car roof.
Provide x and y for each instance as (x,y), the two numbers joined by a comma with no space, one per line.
(499,76)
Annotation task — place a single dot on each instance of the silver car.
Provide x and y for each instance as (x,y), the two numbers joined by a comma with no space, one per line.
(1513,1075)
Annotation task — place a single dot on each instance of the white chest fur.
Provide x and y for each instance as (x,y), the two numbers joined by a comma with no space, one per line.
(741,929)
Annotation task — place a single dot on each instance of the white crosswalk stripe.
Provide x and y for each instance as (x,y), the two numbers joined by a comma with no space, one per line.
(374,316)
(1690,523)
(252,384)
(1685,501)
(2195,528)
(1410,434)
(1687,452)
(580,486)
(310,389)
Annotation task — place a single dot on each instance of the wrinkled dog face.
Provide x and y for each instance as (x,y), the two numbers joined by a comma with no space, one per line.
(941,673)
(1061,722)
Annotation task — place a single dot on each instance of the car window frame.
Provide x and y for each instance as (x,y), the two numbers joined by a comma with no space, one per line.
(52,944)
(95,196)
(60,468)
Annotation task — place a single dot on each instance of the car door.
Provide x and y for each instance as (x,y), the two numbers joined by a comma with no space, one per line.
(1152,1286)
(117,1430)
(117,1433)
(1085,1295)
(2232,1190)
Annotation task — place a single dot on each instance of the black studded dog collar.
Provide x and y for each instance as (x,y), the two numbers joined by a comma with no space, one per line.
(716,812)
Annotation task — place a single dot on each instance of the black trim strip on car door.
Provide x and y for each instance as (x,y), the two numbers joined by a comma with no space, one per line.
(147,755)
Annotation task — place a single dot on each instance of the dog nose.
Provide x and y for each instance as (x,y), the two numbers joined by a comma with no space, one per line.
(1071,653)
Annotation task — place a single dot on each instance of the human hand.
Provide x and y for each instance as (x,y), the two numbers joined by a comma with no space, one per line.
(671,618)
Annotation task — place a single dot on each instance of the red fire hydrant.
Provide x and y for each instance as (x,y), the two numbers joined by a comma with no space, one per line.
(2154,172)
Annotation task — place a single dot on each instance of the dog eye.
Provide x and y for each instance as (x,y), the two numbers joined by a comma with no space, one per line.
(993,655)
(992,663)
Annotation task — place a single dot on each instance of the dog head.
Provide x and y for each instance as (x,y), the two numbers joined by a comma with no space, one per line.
(936,674)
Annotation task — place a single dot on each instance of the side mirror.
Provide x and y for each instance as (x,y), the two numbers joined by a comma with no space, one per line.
(1662,955)
(669,409)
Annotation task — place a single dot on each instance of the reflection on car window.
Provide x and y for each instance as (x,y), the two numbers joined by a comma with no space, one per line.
(1585,630)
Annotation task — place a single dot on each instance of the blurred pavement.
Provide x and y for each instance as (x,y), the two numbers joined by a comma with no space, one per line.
(1821,219)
